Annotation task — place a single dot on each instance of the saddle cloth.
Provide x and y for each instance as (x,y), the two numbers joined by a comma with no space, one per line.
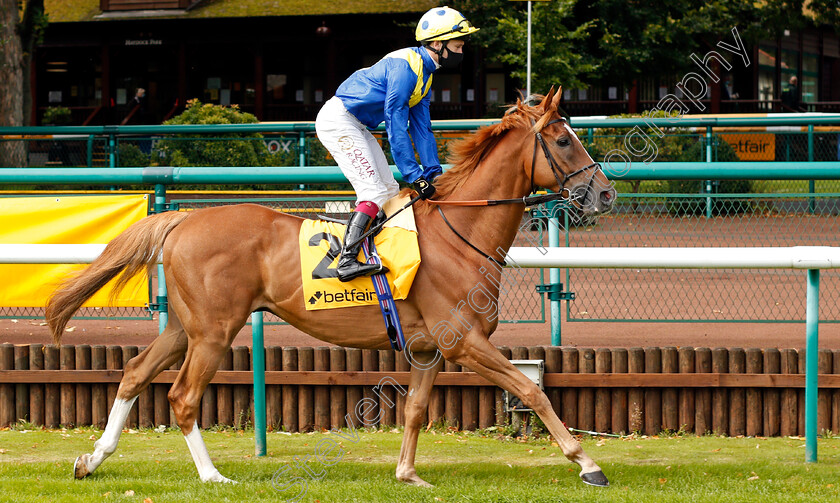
(320,245)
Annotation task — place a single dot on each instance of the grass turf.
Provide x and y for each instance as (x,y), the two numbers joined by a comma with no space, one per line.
(36,465)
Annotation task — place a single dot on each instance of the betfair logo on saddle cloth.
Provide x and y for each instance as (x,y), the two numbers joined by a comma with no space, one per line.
(320,246)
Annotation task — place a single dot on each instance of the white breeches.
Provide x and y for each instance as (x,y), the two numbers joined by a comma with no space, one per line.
(357,153)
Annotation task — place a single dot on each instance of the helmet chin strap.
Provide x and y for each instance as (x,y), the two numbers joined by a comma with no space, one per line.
(440,51)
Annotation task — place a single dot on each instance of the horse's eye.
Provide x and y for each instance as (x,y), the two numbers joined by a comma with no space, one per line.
(563,142)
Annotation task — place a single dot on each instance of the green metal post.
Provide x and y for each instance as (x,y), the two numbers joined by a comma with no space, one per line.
(554,273)
(112,151)
(160,207)
(590,136)
(812,202)
(812,345)
(302,153)
(566,227)
(708,184)
(90,151)
(258,355)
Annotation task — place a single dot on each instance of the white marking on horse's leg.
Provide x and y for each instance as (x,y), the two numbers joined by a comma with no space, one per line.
(206,471)
(107,443)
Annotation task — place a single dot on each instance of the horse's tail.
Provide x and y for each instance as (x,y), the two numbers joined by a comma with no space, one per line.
(134,250)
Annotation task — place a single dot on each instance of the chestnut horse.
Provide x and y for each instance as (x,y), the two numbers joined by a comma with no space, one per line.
(223,263)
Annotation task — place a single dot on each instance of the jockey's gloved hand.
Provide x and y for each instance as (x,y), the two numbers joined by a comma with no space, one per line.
(424,188)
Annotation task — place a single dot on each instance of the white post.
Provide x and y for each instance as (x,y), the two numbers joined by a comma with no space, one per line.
(528,71)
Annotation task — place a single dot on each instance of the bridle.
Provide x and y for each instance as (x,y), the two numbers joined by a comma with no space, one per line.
(559,175)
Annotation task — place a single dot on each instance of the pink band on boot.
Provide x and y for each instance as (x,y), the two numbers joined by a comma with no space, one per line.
(368,208)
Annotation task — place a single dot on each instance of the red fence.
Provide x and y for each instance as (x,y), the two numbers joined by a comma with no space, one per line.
(726,391)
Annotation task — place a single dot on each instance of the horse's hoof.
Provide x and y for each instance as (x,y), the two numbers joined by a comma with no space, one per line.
(80,469)
(414,480)
(597,479)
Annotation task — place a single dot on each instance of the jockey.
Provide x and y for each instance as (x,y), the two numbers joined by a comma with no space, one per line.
(394,90)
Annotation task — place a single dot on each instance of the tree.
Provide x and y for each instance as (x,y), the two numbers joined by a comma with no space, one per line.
(825,12)
(636,39)
(556,39)
(22,25)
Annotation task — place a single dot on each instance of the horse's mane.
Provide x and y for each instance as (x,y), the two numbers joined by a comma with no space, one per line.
(467,153)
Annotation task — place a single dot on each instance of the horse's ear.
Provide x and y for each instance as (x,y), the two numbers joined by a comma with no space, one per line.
(556,101)
(547,99)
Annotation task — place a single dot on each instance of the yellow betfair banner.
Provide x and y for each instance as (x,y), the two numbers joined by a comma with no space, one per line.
(752,146)
(320,246)
(65,220)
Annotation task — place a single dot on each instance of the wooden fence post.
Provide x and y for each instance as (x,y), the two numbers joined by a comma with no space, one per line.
(241,392)
(83,391)
(370,362)
(306,394)
(636,396)
(322,393)
(754,398)
(453,399)
(338,394)
(703,396)
(22,389)
(68,391)
(618,398)
(356,393)
(113,361)
(146,403)
(737,396)
(653,396)
(224,393)
(469,405)
(7,391)
(554,365)
(36,391)
(790,403)
(687,364)
(569,401)
(772,396)
(98,392)
(603,365)
(161,404)
(290,398)
(52,392)
(824,396)
(720,396)
(273,392)
(670,396)
(835,394)
(133,419)
(387,394)
(586,396)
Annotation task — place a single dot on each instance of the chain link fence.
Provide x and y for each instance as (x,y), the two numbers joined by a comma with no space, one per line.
(679,220)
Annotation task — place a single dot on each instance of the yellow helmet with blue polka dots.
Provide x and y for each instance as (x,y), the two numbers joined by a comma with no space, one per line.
(443,23)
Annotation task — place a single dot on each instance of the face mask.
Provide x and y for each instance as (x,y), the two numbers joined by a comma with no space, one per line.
(451,60)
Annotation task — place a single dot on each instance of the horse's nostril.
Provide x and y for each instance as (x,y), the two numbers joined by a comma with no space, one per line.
(607,196)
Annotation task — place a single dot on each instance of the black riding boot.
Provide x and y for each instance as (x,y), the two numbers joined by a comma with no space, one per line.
(349,266)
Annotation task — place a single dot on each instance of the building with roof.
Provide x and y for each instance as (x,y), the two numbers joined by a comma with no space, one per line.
(281,59)
(277,60)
